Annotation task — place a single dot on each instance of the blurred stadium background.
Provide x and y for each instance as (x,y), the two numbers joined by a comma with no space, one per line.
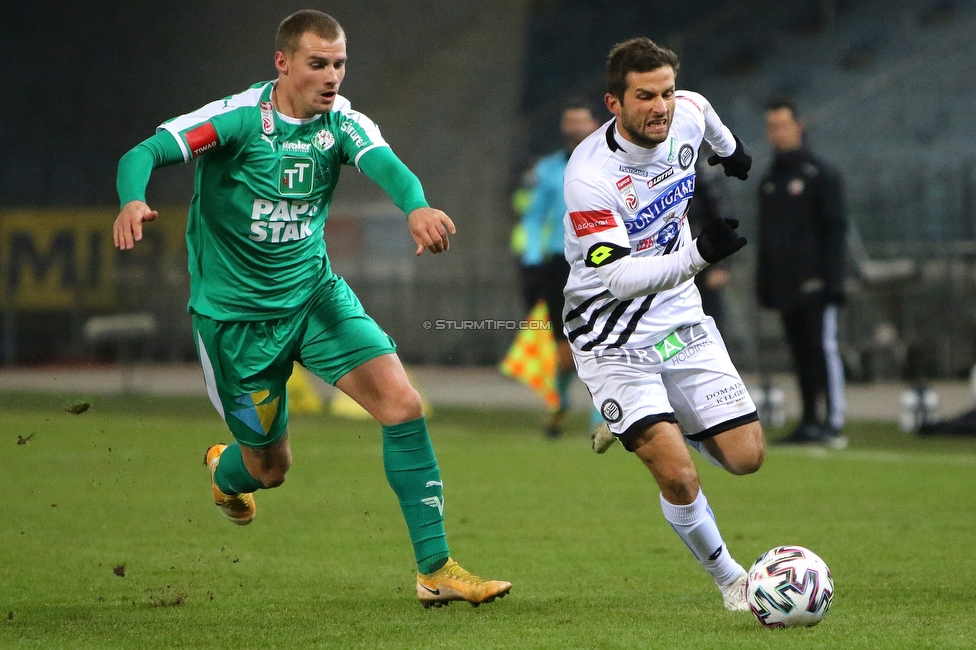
(468,94)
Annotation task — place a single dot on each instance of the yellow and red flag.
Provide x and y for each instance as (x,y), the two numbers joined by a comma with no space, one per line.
(532,357)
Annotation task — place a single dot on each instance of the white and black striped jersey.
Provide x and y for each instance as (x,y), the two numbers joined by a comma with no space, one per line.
(627,236)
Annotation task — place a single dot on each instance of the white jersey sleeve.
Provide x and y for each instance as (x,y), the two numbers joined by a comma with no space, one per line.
(215,124)
(606,246)
(716,133)
(363,132)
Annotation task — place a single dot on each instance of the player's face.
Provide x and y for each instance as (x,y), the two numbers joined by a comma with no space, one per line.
(784,132)
(647,107)
(309,79)
(576,124)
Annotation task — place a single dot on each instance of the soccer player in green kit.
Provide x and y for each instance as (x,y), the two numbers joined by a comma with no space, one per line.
(262,292)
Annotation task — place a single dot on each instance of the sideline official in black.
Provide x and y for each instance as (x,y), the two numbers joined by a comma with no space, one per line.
(800,271)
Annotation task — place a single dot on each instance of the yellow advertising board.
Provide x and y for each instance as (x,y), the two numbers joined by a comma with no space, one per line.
(64,258)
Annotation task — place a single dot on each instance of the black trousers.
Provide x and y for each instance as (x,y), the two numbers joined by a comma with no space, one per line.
(811,332)
(546,282)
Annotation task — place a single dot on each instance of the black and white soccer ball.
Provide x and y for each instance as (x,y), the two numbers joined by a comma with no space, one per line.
(789,586)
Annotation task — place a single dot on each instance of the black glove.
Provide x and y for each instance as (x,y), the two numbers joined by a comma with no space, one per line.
(718,239)
(737,164)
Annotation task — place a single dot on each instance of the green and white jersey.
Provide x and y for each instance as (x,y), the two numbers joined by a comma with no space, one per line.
(263,186)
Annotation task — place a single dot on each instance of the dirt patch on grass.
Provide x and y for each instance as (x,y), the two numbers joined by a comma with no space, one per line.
(167,597)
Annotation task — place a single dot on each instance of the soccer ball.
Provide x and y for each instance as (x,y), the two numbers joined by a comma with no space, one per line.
(789,586)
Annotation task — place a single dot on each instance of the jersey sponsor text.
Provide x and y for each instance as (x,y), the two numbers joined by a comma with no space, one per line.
(201,139)
(673,195)
(636,171)
(660,177)
(285,220)
(589,222)
(349,128)
(297,147)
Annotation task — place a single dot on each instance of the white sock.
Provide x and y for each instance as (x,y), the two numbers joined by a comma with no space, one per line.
(695,525)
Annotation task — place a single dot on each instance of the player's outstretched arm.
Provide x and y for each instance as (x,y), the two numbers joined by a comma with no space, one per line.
(429,228)
(135,167)
(128,225)
(729,150)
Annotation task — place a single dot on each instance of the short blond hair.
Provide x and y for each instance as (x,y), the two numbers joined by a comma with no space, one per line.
(292,28)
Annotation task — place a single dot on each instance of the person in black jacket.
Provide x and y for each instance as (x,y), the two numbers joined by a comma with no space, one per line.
(800,270)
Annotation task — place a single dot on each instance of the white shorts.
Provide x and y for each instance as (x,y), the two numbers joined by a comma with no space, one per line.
(687,378)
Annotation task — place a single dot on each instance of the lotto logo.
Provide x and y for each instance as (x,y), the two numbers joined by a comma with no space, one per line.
(600,254)
(295,176)
(604,253)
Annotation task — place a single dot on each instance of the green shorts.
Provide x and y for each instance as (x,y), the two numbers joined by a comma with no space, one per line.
(246,364)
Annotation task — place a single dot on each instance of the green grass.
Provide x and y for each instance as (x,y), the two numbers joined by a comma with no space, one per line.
(121,489)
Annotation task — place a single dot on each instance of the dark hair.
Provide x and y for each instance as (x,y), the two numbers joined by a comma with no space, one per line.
(783,102)
(636,55)
(292,28)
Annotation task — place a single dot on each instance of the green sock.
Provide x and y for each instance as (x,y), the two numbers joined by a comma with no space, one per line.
(411,469)
(564,379)
(231,475)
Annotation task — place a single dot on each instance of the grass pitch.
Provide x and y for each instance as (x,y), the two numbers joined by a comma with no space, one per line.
(108,538)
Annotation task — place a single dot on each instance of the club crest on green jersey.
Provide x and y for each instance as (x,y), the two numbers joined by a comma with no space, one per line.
(296,175)
(323,140)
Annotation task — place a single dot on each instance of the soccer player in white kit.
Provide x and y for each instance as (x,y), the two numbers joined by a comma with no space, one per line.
(655,365)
